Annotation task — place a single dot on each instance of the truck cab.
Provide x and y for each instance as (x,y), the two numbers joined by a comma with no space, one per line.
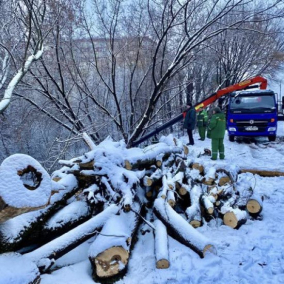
(252,113)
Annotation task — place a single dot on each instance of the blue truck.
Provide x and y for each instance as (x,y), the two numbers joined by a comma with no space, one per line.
(252,113)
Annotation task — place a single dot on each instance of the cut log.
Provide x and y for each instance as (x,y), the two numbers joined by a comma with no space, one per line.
(160,158)
(210,176)
(263,173)
(109,253)
(171,198)
(254,205)
(182,189)
(207,204)
(193,212)
(161,245)
(180,230)
(234,218)
(24,186)
(198,167)
(68,241)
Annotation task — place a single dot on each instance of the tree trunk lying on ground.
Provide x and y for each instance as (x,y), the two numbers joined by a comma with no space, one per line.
(44,255)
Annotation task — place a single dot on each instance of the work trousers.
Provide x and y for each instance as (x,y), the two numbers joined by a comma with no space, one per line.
(190,136)
(202,132)
(217,145)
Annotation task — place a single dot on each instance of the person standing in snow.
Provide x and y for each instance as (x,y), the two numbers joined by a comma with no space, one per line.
(216,131)
(189,122)
(202,119)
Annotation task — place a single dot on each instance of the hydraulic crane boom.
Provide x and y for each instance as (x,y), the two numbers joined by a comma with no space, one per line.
(204,103)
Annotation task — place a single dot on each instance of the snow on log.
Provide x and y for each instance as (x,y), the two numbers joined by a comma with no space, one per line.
(193,212)
(254,205)
(171,198)
(207,203)
(210,176)
(198,167)
(161,245)
(15,269)
(24,186)
(63,244)
(144,158)
(26,228)
(109,253)
(179,229)
(89,141)
(66,219)
(234,218)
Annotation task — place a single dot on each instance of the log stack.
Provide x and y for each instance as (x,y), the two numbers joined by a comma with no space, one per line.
(111,186)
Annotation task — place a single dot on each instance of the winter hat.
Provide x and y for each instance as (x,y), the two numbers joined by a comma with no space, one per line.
(217,110)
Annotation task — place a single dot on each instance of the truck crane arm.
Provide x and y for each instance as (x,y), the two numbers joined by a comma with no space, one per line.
(204,103)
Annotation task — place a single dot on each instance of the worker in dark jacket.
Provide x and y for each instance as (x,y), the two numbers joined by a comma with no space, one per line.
(202,118)
(189,122)
(216,131)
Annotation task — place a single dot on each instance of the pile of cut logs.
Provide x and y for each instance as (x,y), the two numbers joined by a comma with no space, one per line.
(110,192)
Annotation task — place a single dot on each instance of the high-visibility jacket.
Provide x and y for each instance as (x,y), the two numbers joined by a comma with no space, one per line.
(202,118)
(217,125)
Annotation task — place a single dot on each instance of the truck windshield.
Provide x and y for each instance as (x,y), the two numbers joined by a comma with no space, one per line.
(252,102)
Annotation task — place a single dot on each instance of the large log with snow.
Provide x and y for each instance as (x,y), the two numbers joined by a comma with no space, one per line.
(26,228)
(46,254)
(109,253)
(66,219)
(179,229)
(24,186)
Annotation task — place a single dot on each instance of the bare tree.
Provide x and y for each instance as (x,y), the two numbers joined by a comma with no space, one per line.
(118,68)
(24,35)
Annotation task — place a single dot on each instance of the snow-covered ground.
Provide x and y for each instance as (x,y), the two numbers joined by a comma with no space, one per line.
(252,254)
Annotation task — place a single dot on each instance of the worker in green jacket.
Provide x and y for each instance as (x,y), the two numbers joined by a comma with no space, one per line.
(202,119)
(216,131)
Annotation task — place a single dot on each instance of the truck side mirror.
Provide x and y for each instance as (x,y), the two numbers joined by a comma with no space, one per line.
(282,102)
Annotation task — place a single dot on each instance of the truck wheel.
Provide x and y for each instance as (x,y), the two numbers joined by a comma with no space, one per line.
(231,138)
(272,138)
